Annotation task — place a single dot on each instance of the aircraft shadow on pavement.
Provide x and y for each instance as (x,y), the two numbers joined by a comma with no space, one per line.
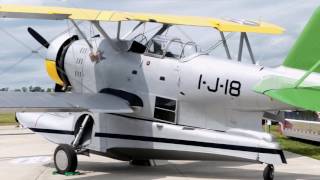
(198,169)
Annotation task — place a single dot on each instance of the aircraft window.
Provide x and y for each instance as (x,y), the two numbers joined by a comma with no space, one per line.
(166,103)
(189,49)
(138,44)
(164,115)
(140,38)
(136,47)
(156,47)
(174,48)
(165,109)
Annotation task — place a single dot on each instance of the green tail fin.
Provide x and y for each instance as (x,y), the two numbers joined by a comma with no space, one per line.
(304,55)
(306,51)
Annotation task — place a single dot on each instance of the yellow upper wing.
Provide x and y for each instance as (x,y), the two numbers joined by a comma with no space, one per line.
(59,13)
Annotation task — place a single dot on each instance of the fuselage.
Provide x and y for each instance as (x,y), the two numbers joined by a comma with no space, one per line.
(204,89)
(198,107)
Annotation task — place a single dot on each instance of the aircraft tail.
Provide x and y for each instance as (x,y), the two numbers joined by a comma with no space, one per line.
(304,55)
(306,51)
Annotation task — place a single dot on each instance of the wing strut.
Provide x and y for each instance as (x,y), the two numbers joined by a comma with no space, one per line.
(312,69)
(76,141)
(82,35)
(119,30)
(244,37)
(105,35)
(224,41)
(132,30)
(100,29)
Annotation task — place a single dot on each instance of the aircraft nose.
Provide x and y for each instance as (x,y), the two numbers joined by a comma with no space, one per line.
(28,120)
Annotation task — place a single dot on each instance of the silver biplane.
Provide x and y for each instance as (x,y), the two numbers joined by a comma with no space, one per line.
(154,97)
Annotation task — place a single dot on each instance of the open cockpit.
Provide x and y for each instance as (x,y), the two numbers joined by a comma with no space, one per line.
(163,46)
(160,45)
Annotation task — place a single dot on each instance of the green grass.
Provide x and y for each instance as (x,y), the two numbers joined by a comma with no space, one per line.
(7,119)
(305,148)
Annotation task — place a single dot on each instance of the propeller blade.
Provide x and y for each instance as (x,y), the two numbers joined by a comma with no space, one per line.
(38,37)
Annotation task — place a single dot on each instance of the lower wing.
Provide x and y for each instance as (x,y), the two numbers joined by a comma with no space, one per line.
(62,102)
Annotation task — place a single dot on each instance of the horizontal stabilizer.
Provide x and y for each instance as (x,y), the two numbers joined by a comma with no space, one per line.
(306,98)
(62,102)
(285,90)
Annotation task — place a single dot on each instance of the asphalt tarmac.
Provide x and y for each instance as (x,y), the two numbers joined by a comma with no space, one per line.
(25,155)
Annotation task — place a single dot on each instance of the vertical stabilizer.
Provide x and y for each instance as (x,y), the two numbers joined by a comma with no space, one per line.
(306,51)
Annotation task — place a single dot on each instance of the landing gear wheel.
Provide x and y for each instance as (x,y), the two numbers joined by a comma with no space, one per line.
(268,173)
(65,159)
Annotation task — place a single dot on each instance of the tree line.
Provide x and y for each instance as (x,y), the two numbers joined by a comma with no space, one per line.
(28,89)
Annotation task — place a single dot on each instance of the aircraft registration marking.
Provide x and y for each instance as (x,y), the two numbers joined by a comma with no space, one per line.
(230,87)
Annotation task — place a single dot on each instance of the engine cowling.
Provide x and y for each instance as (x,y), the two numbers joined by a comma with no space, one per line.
(55,59)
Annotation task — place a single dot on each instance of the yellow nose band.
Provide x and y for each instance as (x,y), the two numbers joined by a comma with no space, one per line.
(52,71)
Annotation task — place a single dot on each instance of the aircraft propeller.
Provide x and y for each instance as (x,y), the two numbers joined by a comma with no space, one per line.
(38,37)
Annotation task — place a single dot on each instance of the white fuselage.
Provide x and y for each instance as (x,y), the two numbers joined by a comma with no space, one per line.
(207,90)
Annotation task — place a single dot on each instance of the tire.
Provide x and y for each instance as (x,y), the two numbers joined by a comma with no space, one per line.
(65,159)
(268,173)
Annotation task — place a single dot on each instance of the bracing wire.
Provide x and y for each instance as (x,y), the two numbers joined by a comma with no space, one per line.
(218,43)
(184,33)
(8,69)
(33,51)
(58,68)
(36,51)
(17,40)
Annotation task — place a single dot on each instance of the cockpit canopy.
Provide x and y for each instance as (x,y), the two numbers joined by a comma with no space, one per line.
(163,46)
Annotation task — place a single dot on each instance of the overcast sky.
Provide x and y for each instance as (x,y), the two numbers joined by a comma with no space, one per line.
(268,49)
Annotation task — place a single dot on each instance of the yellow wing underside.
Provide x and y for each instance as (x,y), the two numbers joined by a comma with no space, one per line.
(60,13)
